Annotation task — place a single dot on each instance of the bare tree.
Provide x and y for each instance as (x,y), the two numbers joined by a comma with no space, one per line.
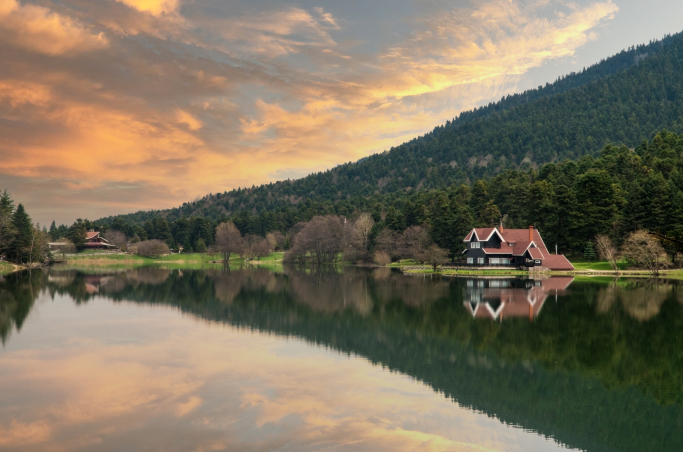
(116,238)
(386,242)
(413,242)
(322,238)
(261,249)
(277,240)
(65,246)
(434,256)
(381,258)
(150,248)
(362,228)
(228,240)
(607,251)
(643,251)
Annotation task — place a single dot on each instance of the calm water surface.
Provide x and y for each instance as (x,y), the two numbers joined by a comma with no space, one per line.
(337,359)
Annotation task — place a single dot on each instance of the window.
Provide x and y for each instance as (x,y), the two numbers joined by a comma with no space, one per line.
(494,261)
(505,261)
(480,260)
(470,260)
(476,244)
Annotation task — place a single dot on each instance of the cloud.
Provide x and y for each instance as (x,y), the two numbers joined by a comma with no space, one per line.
(41,30)
(178,102)
(154,7)
(221,388)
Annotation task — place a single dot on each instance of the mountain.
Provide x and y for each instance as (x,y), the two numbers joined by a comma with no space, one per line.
(624,99)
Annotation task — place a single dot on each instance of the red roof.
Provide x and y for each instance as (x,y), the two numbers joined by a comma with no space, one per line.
(535,253)
(482,234)
(522,236)
(557,262)
(91,235)
(504,249)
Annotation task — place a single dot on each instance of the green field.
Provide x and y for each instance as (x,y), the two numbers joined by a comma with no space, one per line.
(5,268)
(191,261)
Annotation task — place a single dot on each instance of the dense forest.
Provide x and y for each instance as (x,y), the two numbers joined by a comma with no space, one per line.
(21,241)
(586,364)
(622,100)
(570,202)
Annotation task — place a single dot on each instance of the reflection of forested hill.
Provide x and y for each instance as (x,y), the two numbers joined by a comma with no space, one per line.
(589,371)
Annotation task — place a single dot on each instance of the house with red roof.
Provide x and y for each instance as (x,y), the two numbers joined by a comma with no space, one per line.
(517,248)
(94,241)
(496,299)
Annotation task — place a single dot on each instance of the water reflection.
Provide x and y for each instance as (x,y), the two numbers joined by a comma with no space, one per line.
(599,369)
(496,299)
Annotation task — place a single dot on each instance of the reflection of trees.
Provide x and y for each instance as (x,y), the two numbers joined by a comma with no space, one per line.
(18,293)
(550,376)
(642,300)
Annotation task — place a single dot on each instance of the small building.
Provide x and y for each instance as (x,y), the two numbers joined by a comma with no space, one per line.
(516,248)
(94,241)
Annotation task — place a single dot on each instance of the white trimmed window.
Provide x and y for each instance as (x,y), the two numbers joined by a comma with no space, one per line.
(494,261)
(476,244)
(470,260)
(480,260)
(505,261)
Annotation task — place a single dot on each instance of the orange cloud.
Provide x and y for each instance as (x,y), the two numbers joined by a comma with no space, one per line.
(189,104)
(154,7)
(39,29)
(221,388)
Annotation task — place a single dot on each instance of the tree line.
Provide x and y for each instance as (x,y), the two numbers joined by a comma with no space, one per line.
(21,241)
(571,202)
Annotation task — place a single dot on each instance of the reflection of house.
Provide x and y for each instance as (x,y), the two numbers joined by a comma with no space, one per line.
(493,247)
(496,299)
(94,241)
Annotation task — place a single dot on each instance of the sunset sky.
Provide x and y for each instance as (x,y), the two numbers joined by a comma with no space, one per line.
(114,106)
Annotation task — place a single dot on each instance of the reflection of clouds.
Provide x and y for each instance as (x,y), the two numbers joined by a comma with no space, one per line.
(172,99)
(178,384)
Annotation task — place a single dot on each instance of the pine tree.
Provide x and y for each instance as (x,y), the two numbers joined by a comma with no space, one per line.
(200,247)
(6,203)
(22,244)
(589,252)
(53,231)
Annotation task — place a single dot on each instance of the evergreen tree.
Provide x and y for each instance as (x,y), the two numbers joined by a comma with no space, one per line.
(54,234)
(6,203)
(589,252)
(21,247)
(200,247)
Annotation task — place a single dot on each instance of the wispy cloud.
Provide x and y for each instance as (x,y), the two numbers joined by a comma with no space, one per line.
(40,29)
(191,98)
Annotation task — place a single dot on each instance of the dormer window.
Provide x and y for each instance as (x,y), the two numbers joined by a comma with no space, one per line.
(476,244)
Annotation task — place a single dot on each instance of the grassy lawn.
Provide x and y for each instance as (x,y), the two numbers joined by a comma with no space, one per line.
(597,265)
(5,268)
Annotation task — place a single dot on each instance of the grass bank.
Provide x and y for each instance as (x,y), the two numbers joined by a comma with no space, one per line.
(6,268)
(191,260)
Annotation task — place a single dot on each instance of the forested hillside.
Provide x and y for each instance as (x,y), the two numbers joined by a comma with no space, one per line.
(623,100)
(570,202)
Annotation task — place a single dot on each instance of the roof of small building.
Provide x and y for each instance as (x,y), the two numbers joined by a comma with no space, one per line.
(535,253)
(557,262)
(91,235)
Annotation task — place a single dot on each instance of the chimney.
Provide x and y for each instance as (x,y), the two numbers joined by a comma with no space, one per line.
(531,233)
(501,227)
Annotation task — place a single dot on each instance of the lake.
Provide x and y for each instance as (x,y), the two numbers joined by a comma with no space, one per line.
(337,359)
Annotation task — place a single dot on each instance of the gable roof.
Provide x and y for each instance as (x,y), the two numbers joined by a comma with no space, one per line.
(91,235)
(483,234)
(535,253)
